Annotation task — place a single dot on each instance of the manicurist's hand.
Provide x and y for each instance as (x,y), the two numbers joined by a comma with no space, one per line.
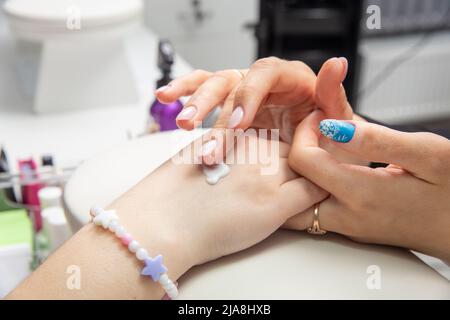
(406,204)
(273,94)
(176,213)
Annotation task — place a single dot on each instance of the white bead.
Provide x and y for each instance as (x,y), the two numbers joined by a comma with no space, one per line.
(120,231)
(97,221)
(172,293)
(113,226)
(164,280)
(142,254)
(96,210)
(134,246)
(170,286)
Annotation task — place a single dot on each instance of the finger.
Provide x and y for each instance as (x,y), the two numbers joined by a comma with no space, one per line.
(330,93)
(219,141)
(332,217)
(182,86)
(424,155)
(210,94)
(269,76)
(316,164)
(299,194)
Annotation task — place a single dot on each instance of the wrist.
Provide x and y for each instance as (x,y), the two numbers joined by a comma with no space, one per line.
(146,222)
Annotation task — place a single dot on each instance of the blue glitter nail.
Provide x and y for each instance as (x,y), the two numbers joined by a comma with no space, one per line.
(339,131)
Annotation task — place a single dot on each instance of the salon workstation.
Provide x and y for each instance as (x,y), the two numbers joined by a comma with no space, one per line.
(96,99)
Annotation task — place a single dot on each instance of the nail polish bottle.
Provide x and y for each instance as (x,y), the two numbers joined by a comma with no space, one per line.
(165,115)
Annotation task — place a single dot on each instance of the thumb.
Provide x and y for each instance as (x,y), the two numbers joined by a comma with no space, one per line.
(418,153)
(330,94)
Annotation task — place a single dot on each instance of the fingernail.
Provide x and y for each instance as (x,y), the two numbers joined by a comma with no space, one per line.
(163,88)
(187,113)
(339,131)
(208,148)
(344,62)
(236,117)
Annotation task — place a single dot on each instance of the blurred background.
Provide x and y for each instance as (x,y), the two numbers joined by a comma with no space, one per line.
(77,78)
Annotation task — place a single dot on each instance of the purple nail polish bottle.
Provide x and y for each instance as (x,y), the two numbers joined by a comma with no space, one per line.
(165,114)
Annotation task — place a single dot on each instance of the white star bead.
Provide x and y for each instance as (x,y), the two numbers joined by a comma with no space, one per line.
(142,254)
(134,246)
(104,218)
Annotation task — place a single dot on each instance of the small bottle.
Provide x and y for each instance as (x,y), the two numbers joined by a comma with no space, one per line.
(163,114)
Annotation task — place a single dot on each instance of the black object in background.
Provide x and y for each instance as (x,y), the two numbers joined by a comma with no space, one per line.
(312,31)
(8,193)
(166,57)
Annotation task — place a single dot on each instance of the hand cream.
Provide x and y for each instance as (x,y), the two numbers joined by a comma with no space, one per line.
(216,172)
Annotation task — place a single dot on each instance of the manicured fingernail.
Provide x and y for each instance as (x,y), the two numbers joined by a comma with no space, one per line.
(187,113)
(163,88)
(208,147)
(339,131)
(344,62)
(236,117)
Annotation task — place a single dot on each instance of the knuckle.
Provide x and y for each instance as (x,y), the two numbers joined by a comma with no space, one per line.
(299,65)
(222,75)
(246,90)
(198,99)
(267,63)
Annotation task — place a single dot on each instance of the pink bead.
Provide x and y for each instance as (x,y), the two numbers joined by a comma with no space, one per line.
(126,239)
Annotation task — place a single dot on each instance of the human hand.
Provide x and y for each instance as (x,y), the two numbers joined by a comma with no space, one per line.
(272,94)
(192,222)
(406,204)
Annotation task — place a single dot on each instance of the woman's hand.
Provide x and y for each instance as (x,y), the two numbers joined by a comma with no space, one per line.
(406,204)
(206,222)
(174,212)
(273,94)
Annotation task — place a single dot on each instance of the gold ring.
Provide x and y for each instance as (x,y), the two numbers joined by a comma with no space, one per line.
(315,229)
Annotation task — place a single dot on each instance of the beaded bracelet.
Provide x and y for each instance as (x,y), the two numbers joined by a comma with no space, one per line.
(153,266)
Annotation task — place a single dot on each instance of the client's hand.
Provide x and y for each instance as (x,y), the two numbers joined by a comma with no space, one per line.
(203,222)
(174,212)
(406,204)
